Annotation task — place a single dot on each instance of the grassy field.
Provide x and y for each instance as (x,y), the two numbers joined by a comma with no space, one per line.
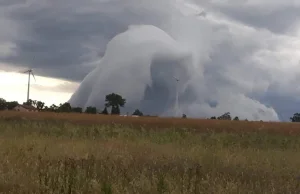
(78,153)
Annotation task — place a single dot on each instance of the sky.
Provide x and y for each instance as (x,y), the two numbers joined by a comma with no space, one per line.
(246,53)
(49,90)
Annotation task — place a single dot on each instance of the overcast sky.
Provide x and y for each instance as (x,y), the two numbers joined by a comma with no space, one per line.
(255,42)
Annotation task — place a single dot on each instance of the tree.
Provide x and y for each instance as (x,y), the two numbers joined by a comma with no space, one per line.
(115,110)
(213,118)
(11,105)
(77,109)
(115,101)
(137,112)
(91,110)
(3,104)
(46,108)
(225,116)
(53,108)
(29,102)
(295,118)
(40,105)
(105,112)
(236,119)
(184,116)
(65,107)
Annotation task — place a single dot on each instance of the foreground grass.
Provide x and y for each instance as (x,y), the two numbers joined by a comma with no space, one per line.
(44,156)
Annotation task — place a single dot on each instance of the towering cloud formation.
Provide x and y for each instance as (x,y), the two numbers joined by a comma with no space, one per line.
(142,63)
(241,57)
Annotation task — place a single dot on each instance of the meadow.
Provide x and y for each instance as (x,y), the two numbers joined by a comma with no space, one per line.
(80,153)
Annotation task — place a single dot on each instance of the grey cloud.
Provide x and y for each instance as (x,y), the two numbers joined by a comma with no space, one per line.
(276,16)
(6,3)
(275,21)
(235,66)
(55,36)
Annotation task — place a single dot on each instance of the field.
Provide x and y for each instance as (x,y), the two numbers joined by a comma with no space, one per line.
(79,153)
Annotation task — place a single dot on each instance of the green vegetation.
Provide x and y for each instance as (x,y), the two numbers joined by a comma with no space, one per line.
(50,156)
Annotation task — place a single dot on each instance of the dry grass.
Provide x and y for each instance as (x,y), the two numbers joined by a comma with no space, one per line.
(160,123)
(53,153)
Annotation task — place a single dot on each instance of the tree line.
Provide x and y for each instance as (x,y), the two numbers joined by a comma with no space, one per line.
(226,116)
(113,102)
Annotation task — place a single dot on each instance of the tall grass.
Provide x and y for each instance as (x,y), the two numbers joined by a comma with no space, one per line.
(51,156)
(156,123)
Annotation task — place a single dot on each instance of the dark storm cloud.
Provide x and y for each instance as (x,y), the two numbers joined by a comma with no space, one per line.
(11,2)
(58,36)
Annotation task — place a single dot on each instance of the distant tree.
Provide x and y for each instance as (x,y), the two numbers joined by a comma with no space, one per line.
(137,112)
(236,119)
(3,104)
(40,105)
(65,107)
(53,108)
(184,116)
(115,101)
(105,112)
(295,118)
(29,102)
(77,109)
(91,110)
(213,118)
(11,105)
(225,116)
